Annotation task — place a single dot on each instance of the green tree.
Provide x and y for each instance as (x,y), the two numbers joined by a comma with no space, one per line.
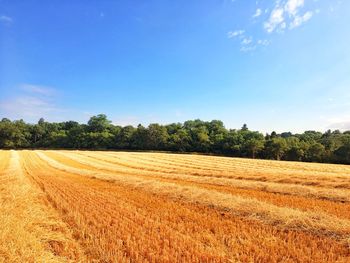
(254,145)
(99,123)
(157,137)
(125,136)
(276,148)
(315,152)
(343,153)
(295,148)
(233,143)
(14,134)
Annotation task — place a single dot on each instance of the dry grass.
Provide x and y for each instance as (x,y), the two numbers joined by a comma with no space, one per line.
(30,231)
(250,207)
(291,189)
(152,207)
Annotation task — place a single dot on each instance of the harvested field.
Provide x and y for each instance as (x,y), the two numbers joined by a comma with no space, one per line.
(84,206)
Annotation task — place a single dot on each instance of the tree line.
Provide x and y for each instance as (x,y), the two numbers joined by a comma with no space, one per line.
(190,136)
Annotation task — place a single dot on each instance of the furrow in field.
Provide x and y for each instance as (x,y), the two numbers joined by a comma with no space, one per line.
(114,209)
(152,164)
(127,222)
(233,163)
(282,217)
(296,190)
(264,172)
(4,160)
(341,210)
(30,231)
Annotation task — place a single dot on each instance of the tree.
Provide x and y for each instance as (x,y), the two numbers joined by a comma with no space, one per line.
(276,147)
(286,134)
(59,139)
(193,135)
(139,138)
(76,137)
(173,128)
(98,123)
(125,136)
(179,141)
(310,136)
(98,140)
(253,146)
(295,149)
(295,153)
(273,135)
(198,131)
(41,121)
(244,127)
(37,132)
(253,143)
(343,153)
(13,134)
(157,137)
(315,152)
(217,135)
(233,143)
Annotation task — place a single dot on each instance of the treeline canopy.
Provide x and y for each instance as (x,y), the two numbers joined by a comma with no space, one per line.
(190,136)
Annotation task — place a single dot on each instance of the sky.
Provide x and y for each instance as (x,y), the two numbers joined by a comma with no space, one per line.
(280,65)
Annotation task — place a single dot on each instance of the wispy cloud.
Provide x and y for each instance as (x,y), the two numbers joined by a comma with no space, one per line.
(28,107)
(247,43)
(342,124)
(287,13)
(31,102)
(233,34)
(283,15)
(276,20)
(299,20)
(247,40)
(292,6)
(127,120)
(6,19)
(257,13)
(248,48)
(38,89)
(263,42)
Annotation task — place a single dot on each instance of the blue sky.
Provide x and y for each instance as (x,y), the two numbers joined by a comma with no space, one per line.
(279,65)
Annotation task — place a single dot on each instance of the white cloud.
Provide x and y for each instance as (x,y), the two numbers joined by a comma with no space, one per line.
(233,34)
(38,89)
(32,102)
(127,120)
(292,6)
(27,107)
(276,20)
(286,13)
(258,13)
(299,20)
(263,42)
(342,124)
(283,15)
(247,41)
(248,48)
(6,19)
(31,108)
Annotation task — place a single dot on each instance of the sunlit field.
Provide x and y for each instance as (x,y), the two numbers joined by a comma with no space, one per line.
(84,206)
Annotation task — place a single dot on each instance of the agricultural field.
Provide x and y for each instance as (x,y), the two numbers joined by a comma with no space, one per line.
(90,206)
